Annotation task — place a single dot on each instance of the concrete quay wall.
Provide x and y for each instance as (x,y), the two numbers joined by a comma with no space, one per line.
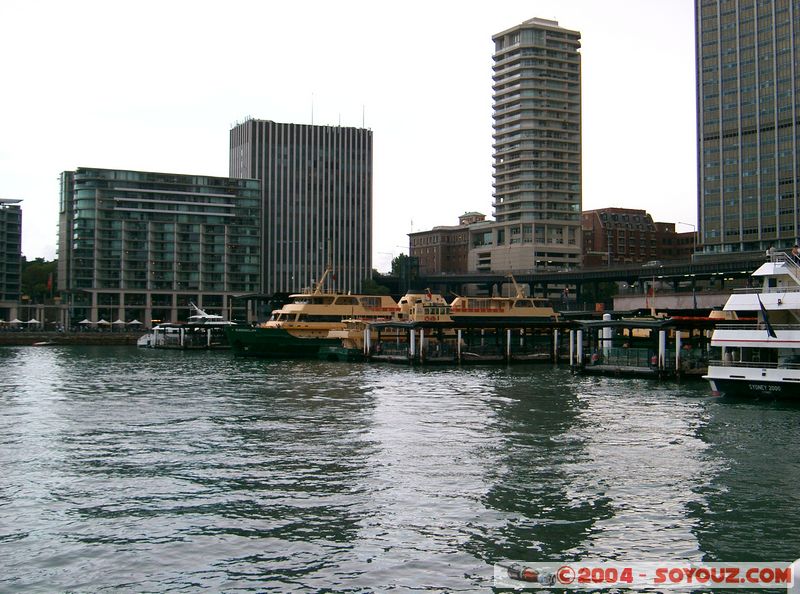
(24,338)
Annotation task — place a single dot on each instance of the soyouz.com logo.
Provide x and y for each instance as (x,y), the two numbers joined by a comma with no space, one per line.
(596,575)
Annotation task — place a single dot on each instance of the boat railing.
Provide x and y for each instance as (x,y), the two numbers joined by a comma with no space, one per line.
(754,364)
(755,327)
(747,290)
(626,357)
(791,263)
(391,349)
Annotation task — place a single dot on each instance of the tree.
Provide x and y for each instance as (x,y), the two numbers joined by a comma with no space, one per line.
(38,279)
(370,286)
(400,264)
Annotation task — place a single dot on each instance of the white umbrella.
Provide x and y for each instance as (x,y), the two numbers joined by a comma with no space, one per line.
(134,323)
(32,321)
(86,322)
(16,321)
(102,322)
(118,322)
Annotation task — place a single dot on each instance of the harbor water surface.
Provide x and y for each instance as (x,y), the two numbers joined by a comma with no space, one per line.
(158,471)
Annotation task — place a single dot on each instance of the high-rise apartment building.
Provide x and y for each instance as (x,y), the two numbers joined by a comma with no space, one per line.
(142,245)
(537,150)
(10,257)
(747,106)
(316,187)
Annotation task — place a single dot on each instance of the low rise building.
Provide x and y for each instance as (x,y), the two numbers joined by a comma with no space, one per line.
(444,249)
(627,236)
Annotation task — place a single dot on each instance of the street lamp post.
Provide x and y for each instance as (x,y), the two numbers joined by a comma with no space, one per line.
(694,235)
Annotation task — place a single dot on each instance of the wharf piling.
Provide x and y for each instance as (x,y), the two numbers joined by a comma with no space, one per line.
(654,347)
(420,343)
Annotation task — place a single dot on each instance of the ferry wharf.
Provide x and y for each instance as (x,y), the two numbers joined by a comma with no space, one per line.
(669,347)
(663,348)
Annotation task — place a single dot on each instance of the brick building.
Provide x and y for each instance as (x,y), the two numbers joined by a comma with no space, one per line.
(444,249)
(628,235)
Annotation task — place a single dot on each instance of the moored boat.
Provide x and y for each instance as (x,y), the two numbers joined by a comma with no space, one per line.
(488,311)
(761,359)
(201,331)
(421,331)
(302,327)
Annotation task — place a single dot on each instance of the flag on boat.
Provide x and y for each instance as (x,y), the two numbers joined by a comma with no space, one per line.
(770,331)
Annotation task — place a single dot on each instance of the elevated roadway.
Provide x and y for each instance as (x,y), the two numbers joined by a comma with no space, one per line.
(702,268)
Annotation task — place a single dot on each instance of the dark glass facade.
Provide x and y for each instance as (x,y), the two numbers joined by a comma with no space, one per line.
(747,105)
(136,244)
(10,254)
(316,184)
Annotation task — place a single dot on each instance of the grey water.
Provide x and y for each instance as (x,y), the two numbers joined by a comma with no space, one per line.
(126,469)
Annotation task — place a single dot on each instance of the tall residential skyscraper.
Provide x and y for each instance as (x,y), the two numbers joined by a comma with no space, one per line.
(537,150)
(747,124)
(316,188)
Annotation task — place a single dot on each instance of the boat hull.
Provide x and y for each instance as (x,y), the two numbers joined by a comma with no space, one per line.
(275,343)
(747,386)
(493,321)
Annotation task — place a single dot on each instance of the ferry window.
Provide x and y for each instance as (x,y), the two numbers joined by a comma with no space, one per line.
(523,303)
(370,301)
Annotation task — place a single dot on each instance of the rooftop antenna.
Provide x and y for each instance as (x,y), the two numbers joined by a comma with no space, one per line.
(312,109)
(362,116)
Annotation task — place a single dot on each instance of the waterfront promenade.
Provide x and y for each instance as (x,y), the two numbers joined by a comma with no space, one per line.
(26,338)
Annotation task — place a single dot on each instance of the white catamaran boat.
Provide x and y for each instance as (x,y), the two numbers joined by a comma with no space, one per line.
(201,331)
(761,359)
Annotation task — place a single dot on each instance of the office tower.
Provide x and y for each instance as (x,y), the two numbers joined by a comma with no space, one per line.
(135,244)
(10,257)
(316,187)
(537,150)
(747,124)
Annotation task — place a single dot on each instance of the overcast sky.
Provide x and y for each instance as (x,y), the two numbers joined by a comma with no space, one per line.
(156,86)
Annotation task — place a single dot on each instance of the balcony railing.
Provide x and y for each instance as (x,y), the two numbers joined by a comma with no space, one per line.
(761,327)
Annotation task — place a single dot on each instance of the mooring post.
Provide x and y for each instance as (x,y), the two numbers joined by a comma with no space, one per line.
(555,345)
(571,349)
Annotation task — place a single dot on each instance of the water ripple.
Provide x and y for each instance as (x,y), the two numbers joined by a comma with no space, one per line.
(142,471)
